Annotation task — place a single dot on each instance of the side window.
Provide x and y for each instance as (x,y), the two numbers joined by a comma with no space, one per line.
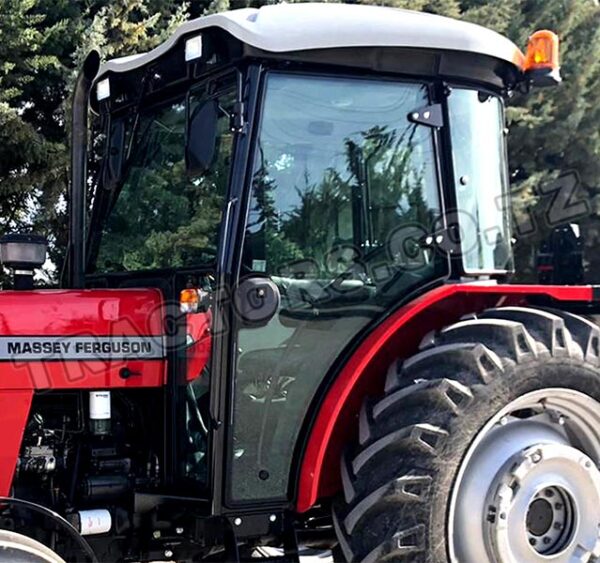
(163,218)
(481,179)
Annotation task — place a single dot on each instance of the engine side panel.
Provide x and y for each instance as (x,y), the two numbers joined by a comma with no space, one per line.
(364,373)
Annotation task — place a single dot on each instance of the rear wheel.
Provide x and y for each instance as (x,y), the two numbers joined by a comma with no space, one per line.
(485,447)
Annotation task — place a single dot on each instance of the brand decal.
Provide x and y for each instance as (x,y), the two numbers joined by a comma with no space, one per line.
(102,348)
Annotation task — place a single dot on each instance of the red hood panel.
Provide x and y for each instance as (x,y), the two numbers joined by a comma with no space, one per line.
(97,311)
(55,339)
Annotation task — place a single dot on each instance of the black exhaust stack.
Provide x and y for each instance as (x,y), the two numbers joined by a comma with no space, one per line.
(79,140)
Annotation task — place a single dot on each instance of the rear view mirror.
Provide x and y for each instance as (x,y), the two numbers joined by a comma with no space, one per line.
(201,145)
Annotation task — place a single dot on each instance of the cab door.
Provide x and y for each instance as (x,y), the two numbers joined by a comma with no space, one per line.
(344,191)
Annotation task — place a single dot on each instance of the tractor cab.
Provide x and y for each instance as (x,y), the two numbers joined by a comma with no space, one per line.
(307,178)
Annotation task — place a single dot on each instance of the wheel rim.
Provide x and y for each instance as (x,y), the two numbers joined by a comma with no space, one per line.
(528,489)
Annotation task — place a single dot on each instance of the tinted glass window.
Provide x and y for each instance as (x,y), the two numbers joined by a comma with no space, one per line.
(344,193)
(162,217)
(480,167)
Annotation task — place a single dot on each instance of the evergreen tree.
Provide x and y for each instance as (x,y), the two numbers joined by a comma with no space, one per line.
(42,43)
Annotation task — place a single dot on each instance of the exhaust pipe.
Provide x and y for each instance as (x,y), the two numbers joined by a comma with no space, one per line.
(79,140)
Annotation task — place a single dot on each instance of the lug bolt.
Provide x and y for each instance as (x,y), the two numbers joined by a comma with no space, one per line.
(503,516)
(547,540)
(549,493)
(558,506)
(238,521)
(558,526)
(272,518)
(536,457)
(168,553)
(532,541)
(504,421)
(179,531)
(156,534)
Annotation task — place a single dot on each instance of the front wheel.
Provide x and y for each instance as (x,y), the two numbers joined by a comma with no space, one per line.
(485,447)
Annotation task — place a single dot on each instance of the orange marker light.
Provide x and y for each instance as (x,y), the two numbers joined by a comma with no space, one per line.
(189,300)
(542,61)
(542,51)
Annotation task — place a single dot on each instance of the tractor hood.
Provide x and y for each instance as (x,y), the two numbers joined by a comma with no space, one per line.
(53,339)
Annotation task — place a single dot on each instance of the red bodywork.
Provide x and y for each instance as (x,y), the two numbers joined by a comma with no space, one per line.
(397,337)
(134,312)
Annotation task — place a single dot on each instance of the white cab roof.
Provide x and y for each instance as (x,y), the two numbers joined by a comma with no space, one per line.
(307,26)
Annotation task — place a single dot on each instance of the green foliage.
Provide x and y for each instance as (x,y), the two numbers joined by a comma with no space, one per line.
(42,43)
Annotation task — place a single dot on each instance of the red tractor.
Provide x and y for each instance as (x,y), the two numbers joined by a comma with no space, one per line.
(284,323)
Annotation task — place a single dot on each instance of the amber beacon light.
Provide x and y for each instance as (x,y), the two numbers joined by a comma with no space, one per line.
(542,61)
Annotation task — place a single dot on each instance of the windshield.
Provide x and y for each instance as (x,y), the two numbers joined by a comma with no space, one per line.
(162,217)
(480,174)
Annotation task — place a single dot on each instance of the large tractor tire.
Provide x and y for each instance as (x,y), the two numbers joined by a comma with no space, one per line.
(484,448)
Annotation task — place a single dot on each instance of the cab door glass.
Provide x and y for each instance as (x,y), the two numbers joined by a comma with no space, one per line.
(344,193)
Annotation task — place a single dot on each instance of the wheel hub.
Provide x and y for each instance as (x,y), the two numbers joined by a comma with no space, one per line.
(550,522)
(528,490)
(543,505)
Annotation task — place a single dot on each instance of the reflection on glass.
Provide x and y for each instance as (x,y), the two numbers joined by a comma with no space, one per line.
(344,193)
(162,217)
(479,158)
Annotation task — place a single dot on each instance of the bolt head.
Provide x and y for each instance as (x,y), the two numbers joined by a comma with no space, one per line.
(238,521)
(272,518)
(156,534)
(168,553)
(179,531)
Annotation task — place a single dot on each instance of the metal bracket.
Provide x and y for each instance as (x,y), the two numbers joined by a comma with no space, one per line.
(431,116)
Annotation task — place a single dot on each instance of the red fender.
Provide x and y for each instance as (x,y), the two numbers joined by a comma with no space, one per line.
(397,337)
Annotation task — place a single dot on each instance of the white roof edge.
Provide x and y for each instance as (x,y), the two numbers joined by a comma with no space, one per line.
(284,28)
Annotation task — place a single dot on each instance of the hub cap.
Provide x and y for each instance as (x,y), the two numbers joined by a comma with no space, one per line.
(529,487)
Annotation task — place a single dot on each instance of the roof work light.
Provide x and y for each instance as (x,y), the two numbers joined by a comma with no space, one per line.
(542,64)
